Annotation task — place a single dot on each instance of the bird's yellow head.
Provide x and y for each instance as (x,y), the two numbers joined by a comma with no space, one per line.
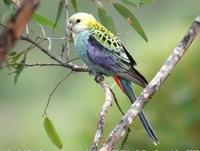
(81,21)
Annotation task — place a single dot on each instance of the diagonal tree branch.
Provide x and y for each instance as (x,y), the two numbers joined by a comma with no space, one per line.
(153,86)
(102,115)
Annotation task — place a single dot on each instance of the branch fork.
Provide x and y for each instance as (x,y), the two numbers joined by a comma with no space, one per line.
(102,116)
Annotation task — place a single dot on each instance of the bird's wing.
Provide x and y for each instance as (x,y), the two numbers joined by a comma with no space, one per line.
(111,43)
(112,60)
(118,61)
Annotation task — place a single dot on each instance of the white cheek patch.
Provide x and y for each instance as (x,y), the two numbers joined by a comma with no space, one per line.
(78,27)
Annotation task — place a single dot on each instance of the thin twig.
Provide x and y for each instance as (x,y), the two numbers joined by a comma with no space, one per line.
(45,37)
(116,102)
(32,46)
(121,111)
(53,91)
(69,64)
(67,32)
(125,139)
(102,115)
(153,86)
(32,65)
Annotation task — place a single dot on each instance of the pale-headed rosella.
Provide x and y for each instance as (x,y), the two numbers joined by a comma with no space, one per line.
(105,54)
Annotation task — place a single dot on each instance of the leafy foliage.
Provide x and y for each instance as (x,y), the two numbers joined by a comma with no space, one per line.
(137,3)
(19,68)
(19,58)
(43,20)
(74,4)
(7,2)
(131,19)
(59,12)
(106,20)
(51,132)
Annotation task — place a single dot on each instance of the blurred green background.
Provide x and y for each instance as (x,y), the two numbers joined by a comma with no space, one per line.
(174,110)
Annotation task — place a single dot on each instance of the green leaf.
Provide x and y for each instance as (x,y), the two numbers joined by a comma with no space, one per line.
(13,53)
(131,19)
(43,20)
(106,20)
(129,2)
(144,2)
(74,4)
(59,12)
(137,3)
(19,69)
(7,2)
(15,56)
(51,132)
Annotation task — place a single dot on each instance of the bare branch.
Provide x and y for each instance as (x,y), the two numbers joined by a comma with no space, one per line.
(32,65)
(102,116)
(53,91)
(153,86)
(67,32)
(68,64)
(45,37)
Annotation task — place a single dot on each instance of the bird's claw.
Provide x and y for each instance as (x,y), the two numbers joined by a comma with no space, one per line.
(99,78)
(90,73)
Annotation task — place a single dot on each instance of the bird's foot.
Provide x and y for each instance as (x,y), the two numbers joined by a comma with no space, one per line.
(90,73)
(99,78)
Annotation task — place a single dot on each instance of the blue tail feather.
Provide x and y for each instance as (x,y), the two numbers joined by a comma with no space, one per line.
(129,92)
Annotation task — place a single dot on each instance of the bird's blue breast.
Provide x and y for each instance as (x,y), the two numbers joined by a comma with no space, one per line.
(81,42)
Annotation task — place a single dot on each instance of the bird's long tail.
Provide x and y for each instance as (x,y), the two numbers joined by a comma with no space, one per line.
(125,85)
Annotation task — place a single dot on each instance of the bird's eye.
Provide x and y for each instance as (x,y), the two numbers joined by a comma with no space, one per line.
(78,21)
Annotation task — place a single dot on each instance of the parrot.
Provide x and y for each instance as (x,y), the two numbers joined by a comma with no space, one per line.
(105,55)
